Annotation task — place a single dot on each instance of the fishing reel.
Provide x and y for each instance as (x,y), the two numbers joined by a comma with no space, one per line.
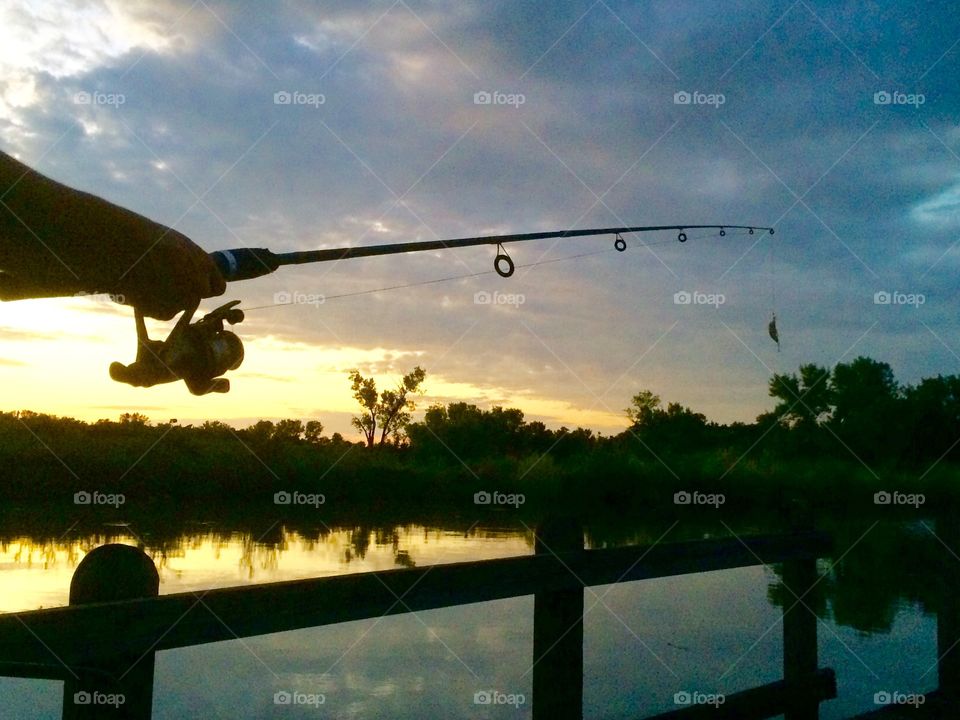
(197,353)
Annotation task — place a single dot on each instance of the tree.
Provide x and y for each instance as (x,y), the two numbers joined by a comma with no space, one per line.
(643,409)
(313,431)
(466,431)
(804,401)
(861,386)
(288,430)
(261,432)
(932,417)
(387,411)
(671,429)
(867,407)
(134,419)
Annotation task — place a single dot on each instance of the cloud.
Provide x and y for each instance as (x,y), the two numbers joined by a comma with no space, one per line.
(18,334)
(42,44)
(941,211)
(264,376)
(131,408)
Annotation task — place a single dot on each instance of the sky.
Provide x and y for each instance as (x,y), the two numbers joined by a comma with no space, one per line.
(834,122)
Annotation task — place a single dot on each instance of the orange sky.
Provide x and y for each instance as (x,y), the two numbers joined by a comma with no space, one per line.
(54,356)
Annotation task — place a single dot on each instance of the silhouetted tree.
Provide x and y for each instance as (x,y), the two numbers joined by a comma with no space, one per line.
(643,408)
(866,400)
(288,430)
(932,418)
(673,429)
(387,411)
(804,405)
(313,431)
(569,443)
(804,401)
(456,428)
(261,432)
(466,431)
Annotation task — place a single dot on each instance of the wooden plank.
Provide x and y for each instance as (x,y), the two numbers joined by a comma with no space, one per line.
(111,572)
(558,633)
(760,702)
(948,611)
(71,635)
(799,633)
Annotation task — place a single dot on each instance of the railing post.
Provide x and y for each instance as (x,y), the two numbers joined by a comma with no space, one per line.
(558,633)
(948,612)
(121,685)
(799,626)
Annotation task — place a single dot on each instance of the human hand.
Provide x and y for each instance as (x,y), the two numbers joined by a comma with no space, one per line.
(171,275)
(57,241)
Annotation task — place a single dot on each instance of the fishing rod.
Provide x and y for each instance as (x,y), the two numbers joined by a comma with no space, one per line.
(248,263)
(200,352)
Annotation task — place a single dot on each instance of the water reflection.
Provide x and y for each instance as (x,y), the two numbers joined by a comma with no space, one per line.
(881,595)
(878,569)
(36,573)
(879,566)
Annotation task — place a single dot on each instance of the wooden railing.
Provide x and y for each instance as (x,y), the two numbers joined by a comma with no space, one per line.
(106,639)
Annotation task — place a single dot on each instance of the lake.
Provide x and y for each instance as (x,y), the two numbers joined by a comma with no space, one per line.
(716,632)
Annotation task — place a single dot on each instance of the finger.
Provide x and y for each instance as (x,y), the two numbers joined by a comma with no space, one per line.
(218,286)
(211,281)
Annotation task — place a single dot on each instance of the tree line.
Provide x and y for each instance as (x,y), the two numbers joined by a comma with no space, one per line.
(853,423)
(855,408)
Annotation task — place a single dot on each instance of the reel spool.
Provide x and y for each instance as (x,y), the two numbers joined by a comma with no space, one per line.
(197,353)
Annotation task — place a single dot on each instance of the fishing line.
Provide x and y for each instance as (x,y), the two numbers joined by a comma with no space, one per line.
(772,330)
(465,276)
